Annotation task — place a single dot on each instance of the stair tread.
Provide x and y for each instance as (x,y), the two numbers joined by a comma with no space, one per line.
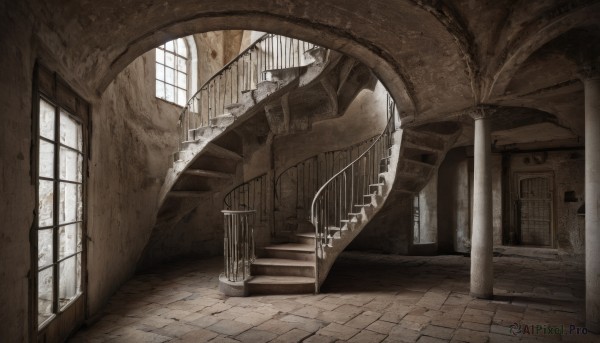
(291,247)
(312,234)
(282,280)
(208,173)
(415,146)
(421,163)
(266,261)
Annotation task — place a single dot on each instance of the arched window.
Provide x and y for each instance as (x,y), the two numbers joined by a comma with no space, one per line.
(173,66)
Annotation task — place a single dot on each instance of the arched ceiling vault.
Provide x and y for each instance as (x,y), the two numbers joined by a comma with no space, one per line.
(437,57)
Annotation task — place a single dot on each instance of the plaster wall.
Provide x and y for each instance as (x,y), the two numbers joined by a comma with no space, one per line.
(215,49)
(568,169)
(428,211)
(363,119)
(131,142)
(17,191)
(134,135)
(454,195)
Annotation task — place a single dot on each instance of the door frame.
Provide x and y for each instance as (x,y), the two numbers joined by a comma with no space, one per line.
(516,177)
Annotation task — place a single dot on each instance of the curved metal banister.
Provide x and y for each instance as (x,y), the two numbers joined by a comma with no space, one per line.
(296,185)
(240,75)
(348,189)
(250,195)
(238,244)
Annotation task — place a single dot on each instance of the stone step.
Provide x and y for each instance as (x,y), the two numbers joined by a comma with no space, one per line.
(309,238)
(423,148)
(409,182)
(283,74)
(283,267)
(220,152)
(414,167)
(187,194)
(317,53)
(222,120)
(423,139)
(293,251)
(271,284)
(306,238)
(208,173)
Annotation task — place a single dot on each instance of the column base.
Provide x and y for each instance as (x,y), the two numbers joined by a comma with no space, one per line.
(482,296)
(233,289)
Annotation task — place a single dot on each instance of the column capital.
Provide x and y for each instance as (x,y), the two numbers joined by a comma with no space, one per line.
(482,111)
(589,71)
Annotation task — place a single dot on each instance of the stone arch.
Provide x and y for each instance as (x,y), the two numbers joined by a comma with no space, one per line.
(407,45)
(531,39)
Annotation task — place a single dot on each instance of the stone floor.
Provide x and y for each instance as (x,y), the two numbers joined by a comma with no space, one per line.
(367,298)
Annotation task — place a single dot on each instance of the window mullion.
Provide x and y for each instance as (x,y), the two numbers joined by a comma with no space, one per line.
(56,208)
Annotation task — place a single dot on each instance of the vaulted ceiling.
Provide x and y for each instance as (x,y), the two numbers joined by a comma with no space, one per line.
(438,58)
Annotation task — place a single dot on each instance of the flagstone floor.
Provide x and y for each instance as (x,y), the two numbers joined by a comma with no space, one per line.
(366,298)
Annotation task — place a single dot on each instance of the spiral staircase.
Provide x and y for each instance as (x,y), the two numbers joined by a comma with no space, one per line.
(265,90)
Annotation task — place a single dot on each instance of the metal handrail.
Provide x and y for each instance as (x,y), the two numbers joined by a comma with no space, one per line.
(241,74)
(339,185)
(255,198)
(238,244)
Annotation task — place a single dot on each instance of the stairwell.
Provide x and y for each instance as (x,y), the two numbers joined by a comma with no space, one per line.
(278,100)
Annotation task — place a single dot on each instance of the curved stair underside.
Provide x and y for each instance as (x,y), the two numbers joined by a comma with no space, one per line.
(288,103)
(209,162)
(414,157)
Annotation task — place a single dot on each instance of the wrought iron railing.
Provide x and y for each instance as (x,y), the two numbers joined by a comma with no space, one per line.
(252,66)
(238,244)
(341,198)
(250,195)
(296,186)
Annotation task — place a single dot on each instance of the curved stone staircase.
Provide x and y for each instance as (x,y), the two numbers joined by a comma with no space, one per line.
(397,165)
(412,157)
(263,90)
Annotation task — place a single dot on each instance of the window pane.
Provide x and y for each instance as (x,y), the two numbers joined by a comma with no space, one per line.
(181,80)
(69,240)
(70,204)
(169,60)
(70,132)
(181,99)
(45,244)
(181,64)
(160,72)
(45,282)
(160,90)
(169,46)
(46,161)
(160,56)
(69,279)
(181,48)
(47,115)
(170,93)
(71,165)
(170,76)
(46,203)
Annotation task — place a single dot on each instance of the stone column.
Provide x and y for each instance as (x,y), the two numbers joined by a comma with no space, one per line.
(591,84)
(482,274)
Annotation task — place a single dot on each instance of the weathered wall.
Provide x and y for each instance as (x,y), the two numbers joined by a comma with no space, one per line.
(428,211)
(454,198)
(134,135)
(363,119)
(17,192)
(215,49)
(454,202)
(130,147)
(568,168)
(199,232)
